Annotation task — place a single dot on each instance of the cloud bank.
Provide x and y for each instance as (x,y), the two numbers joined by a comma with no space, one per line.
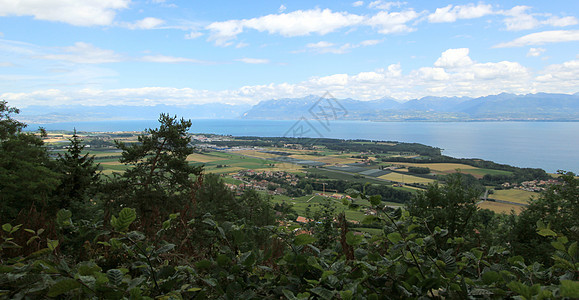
(454,73)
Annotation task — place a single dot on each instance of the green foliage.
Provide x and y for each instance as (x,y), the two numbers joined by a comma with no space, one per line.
(126,217)
(452,206)
(64,218)
(160,176)
(558,207)
(26,176)
(79,177)
(219,245)
(418,170)
(404,263)
(323,225)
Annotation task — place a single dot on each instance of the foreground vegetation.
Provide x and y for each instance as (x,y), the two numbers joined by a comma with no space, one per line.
(166,229)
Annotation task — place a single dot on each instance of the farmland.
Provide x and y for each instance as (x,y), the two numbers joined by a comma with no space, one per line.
(323,162)
(513,195)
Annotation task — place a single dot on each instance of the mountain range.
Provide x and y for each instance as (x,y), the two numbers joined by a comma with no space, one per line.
(540,106)
(501,107)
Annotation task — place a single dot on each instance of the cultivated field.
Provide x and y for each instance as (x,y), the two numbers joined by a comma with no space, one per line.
(406,178)
(440,167)
(517,196)
(329,159)
(447,168)
(501,207)
(203,158)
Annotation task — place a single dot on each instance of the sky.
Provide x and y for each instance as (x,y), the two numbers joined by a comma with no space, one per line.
(131,52)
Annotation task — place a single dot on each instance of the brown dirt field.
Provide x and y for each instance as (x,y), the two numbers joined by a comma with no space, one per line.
(255,153)
(202,158)
(405,178)
(111,163)
(518,196)
(501,207)
(225,170)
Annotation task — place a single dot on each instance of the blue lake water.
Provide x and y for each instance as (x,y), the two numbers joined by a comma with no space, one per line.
(547,145)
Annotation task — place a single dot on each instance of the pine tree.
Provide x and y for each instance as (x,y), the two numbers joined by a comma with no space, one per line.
(159,177)
(79,174)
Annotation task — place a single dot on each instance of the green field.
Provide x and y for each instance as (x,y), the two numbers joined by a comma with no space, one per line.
(482,172)
(351,177)
(301,203)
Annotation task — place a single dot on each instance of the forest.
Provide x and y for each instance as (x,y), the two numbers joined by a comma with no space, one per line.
(165,229)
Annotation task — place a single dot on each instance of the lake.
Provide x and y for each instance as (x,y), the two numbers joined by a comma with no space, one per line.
(547,145)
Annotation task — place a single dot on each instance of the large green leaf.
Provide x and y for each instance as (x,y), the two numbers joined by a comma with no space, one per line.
(353,240)
(63,286)
(323,293)
(63,218)
(304,239)
(394,237)
(115,276)
(126,217)
(570,288)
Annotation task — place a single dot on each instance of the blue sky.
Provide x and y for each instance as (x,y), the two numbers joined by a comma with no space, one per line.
(101,52)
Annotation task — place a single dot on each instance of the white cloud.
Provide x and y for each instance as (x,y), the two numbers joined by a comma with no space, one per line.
(241,45)
(5,64)
(320,44)
(296,23)
(146,23)
(84,53)
(370,42)
(452,13)
(78,13)
(540,38)
(282,8)
(253,60)
(345,48)
(453,74)
(566,73)
(224,32)
(170,59)
(534,52)
(519,19)
(358,3)
(385,5)
(314,21)
(327,47)
(330,81)
(498,71)
(435,74)
(454,58)
(193,35)
(393,22)
(299,23)
(18,48)
(561,22)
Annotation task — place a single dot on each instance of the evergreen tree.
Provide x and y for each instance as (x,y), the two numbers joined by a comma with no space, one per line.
(79,175)
(159,177)
(26,176)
